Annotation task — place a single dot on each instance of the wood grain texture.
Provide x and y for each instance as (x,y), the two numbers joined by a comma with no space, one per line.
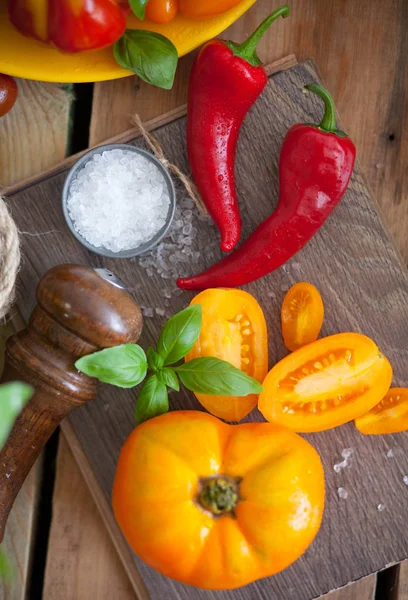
(71,529)
(360,48)
(351,253)
(34,134)
(402,590)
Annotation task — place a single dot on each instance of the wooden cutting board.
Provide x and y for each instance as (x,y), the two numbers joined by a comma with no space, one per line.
(365,288)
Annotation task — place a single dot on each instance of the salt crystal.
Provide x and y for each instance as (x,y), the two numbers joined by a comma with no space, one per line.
(149,273)
(380,507)
(342,493)
(390,454)
(147,312)
(118,200)
(160,311)
(346,455)
(405,479)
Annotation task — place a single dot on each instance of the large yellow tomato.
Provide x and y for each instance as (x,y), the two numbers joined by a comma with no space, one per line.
(217,506)
(233,329)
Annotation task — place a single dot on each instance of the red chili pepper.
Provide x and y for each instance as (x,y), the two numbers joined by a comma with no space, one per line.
(225,81)
(315,166)
(72,25)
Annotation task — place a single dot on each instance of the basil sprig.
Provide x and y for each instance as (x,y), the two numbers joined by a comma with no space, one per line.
(138,8)
(127,366)
(150,55)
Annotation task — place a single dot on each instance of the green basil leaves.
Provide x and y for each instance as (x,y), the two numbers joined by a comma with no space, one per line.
(139,8)
(149,55)
(13,397)
(127,365)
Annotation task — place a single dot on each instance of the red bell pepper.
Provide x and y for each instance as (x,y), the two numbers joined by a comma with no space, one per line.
(225,81)
(315,166)
(72,25)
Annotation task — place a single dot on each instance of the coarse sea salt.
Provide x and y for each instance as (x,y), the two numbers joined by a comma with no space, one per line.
(118,200)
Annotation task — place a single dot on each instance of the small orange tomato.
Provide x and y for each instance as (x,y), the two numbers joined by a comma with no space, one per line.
(233,329)
(302,315)
(8,94)
(388,416)
(326,383)
(217,506)
(202,9)
(161,11)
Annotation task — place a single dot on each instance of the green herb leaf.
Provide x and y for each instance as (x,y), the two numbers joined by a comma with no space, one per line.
(13,397)
(154,360)
(150,55)
(179,334)
(216,377)
(124,366)
(138,8)
(169,378)
(152,400)
(6,570)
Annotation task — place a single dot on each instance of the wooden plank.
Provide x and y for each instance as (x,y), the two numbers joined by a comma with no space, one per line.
(351,253)
(34,134)
(402,592)
(72,528)
(359,590)
(33,137)
(81,508)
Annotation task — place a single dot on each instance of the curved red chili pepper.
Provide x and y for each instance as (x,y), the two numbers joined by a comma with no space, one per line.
(225,81)
(315,166)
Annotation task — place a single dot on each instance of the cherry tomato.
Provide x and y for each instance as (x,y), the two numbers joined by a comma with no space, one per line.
(302,315)
(233,329)
(161,11)
(326,383)
(202,9)
(388,416)
(8,93)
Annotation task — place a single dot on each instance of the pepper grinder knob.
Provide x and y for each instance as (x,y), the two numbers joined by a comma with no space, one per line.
(79,311)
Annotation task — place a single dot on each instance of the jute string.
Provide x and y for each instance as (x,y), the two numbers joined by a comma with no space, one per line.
(157,150)
(9,258)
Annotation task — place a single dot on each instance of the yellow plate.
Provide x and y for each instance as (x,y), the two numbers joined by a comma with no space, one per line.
(30,59)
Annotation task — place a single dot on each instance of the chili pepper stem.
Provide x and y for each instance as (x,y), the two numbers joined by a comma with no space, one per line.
(328,123)
(247,50)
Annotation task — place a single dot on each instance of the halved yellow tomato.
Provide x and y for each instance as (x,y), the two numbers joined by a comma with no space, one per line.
(302,315)
(388,416)
(233,329)
(326,383)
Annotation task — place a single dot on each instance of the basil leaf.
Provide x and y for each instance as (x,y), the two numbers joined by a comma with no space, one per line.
(6,569)
(154,360)
(138,8)
(215,377)
(179,334)
(152,400)
(150,55)
(169,378)
(124,366)
(13,397)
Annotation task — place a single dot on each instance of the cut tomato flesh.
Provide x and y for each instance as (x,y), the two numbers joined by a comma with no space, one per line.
(233,329)
(302,315)
(325,384)
(390,415)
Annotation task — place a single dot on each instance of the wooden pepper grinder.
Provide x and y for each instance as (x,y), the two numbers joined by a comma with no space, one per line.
(79,311)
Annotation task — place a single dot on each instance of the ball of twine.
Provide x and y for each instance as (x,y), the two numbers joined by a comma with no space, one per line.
(9,258)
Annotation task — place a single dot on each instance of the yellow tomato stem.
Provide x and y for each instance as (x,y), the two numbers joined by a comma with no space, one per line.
(219,494)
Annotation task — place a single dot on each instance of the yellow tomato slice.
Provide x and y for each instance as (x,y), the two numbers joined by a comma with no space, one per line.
(302,315)
(233,329)
(326,383)
(388,416)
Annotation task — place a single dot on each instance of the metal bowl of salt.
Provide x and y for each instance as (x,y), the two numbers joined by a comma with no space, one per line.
(118,200)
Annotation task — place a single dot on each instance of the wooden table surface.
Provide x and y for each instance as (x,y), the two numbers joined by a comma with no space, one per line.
(361,49)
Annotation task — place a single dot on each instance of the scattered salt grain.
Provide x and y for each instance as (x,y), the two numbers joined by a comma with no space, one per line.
(147,312)
(160,312)
(380,507)
(342,493)
(390,454)
(346,462)
(405,479)
(118,200)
